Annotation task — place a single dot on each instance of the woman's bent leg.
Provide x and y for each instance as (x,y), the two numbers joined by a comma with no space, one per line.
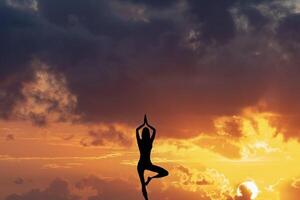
(161,172)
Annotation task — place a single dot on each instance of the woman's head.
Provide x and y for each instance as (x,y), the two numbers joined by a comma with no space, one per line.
(146,134)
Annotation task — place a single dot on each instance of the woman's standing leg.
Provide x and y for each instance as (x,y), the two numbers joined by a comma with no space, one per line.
(142,179)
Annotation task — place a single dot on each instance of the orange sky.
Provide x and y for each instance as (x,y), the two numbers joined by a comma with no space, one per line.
(211,165)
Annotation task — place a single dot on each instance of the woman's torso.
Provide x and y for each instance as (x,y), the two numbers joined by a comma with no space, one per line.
(145,152)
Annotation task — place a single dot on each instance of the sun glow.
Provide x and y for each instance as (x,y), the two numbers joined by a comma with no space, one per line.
(248,188)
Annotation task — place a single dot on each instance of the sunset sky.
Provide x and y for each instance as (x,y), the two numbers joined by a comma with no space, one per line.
(219,79)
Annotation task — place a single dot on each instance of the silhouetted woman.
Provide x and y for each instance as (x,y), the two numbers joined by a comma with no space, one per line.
(145,147)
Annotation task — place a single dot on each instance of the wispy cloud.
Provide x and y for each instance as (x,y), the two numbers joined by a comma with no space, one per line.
(106,156)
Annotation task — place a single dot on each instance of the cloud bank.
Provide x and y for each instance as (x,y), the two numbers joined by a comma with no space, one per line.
(175,60)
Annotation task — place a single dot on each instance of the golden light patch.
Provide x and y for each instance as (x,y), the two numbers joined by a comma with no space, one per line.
(248,188)
(46,98)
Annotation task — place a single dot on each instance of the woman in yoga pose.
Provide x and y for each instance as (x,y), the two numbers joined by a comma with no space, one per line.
(145,147)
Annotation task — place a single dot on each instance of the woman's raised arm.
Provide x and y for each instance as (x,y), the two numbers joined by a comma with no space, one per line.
(151,127)
(137,131)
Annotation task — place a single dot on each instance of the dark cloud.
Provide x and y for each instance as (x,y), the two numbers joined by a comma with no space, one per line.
(69,137)
(185,61)
(233,128)
(215,22)
(95,16)
(102,137)
(107,188)
(57,190)
(23,4)
(155,3)
(123,190)
(288,32)
(255,18)
(19,181)
(10,137)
